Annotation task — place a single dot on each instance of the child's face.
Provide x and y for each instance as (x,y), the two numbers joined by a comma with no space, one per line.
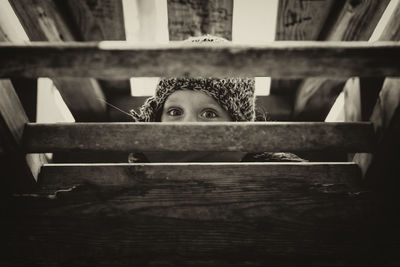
(193,106)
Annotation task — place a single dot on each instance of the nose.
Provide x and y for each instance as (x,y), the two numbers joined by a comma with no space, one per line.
(190,118)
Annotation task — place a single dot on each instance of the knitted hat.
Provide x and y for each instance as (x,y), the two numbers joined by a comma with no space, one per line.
(235,95)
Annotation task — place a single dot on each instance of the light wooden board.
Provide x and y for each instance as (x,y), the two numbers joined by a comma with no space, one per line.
(122,60)
(234,136)
(199,17)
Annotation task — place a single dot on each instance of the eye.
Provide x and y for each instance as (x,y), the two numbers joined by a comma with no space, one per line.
(174,112)
(209,114)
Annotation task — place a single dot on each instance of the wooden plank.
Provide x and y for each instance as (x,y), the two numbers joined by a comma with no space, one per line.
(259,137)
(361,95)
(199,17)
(303,20)
(63,176)
(356,22)
(300,21)
(96,20)
(12,123)
(140,215)
(44,20)
(121,60)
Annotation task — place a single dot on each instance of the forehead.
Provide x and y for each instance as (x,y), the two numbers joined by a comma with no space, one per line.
(189,96)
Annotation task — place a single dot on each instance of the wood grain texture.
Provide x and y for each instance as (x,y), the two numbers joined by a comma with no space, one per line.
(199,17)
(120,60)
(260,137)
(391,32)
(300,21)
(143,215)
(46,20)
(96,20)
(55,177)
(356,22)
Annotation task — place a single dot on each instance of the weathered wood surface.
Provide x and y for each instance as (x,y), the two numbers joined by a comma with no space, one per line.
(122,60)
(300,21)
(55,177)
(199,17)
(303,20)
(356,22)
(58,21)
(96,20)
(141,215)
(234,136)
(12,122)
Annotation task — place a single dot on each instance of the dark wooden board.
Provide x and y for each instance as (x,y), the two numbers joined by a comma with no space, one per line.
(143,214)
(323,176)
(356,21)
(300,20)
(233,136)
(121,60)
(199,17)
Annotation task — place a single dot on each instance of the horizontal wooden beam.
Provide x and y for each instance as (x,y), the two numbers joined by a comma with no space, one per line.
(116,60)
(185,215)
(233,136)
(64,176)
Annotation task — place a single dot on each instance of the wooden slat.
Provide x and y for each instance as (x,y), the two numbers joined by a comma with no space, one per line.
(260,137)
(46,20)
(64,176)
(199,17)
(356,22)
(142,215)
(118,60)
